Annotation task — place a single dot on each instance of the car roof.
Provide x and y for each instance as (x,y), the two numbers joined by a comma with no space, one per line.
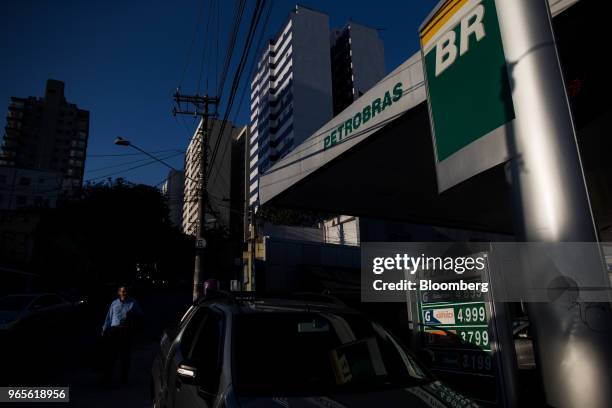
(248,302)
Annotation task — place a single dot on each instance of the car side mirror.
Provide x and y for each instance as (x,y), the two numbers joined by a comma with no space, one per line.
(191,373)
(188,372)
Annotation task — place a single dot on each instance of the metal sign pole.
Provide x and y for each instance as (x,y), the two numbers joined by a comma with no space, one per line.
(552,203)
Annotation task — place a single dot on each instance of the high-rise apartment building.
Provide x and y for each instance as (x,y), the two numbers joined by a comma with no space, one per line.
(47,133)
(291,92)
(357,63)
(305,76)
(218,209)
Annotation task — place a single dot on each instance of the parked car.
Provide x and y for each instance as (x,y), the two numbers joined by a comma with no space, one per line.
(291,351)
(32,311)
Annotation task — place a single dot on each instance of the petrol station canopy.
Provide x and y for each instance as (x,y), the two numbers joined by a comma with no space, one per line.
(376,159)
(384,167)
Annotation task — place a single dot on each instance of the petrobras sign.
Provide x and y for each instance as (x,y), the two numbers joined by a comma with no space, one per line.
(469,95)
(370,109)
(397,93)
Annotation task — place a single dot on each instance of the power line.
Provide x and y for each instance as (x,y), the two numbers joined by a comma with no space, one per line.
(204,48)
(235,27)
(130,154)
(237,75)
(132,168)
(193,38)
(125,163)
(258,51)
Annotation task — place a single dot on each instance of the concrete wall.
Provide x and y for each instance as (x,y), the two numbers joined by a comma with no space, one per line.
(287,262)
(342,230)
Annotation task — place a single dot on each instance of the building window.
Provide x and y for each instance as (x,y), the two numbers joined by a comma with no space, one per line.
(24,181)
(22,200)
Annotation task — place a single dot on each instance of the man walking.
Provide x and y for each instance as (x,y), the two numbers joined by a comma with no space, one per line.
(117,331)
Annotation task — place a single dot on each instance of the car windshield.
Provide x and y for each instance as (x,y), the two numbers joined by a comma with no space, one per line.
(322,353)
(14,303)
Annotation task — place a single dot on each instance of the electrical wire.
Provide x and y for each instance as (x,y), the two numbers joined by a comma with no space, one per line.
(204,47)
(193,38)
(133,168)
(259,49)
(235,27)
(237,75)
(130,154)
(125,163)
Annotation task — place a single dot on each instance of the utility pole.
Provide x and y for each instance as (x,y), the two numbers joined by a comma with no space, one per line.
(201,106)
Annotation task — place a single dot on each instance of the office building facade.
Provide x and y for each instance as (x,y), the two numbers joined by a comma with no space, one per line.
(357,63)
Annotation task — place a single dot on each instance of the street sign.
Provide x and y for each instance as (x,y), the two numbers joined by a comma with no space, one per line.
(200,243)
(469,96)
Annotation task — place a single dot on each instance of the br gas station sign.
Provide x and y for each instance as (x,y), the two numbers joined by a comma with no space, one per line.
(496,95)
(468,92)
(471,111)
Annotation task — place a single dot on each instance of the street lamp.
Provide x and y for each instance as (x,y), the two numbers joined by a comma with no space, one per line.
(119,141)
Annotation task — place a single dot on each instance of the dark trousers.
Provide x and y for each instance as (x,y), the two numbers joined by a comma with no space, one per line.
(118,345)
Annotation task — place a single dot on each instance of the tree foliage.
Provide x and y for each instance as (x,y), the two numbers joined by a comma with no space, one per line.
(101,237)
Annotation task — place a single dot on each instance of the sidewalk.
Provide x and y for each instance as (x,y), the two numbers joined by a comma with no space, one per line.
(86,391)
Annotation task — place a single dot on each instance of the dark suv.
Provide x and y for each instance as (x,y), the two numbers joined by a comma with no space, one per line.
(297,351)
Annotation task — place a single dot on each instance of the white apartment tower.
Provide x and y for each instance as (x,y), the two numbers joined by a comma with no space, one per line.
(305,76)
(291,92)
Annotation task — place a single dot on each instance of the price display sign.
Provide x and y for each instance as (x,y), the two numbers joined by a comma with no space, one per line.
(458,329)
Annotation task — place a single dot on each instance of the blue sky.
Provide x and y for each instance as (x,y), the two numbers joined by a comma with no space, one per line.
(122,61)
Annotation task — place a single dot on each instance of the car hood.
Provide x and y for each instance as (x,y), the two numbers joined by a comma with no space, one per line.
(433,395)
(7,317)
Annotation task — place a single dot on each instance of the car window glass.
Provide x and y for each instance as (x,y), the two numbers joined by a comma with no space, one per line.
(207,348)
(54,300)
(310,353)
(191,330)
(49,300)
(41,302)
